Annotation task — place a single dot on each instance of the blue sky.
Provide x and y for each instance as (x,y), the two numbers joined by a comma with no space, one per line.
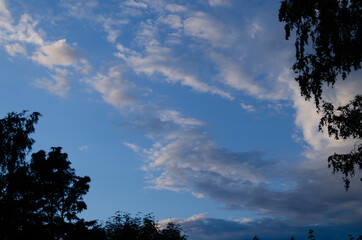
(187,109)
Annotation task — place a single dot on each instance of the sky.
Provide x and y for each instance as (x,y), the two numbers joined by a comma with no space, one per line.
(185,109)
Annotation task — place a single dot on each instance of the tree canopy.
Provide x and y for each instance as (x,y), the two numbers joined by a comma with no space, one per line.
(41,198)
(328,47)
(328,41)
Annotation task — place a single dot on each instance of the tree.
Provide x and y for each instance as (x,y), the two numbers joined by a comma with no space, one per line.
(41,199)
(172,231)
(311,235)
(16,193)
(60,190)
(123,226)
(328,46)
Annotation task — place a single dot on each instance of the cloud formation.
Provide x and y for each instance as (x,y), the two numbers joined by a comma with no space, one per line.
(214,51)
(114,89)
(21,38)
(246,56)
(58,53)
(203,227)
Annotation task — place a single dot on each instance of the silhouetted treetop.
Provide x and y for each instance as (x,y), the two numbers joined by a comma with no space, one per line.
(328,41)
(328,46)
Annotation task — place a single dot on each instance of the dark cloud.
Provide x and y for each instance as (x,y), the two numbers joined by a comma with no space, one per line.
(189,160)
(202,227)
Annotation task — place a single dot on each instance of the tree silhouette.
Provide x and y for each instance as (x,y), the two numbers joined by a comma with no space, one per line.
(60,190)
(39,200)
(328,46)
(16,193)
(123,226)
(311,235)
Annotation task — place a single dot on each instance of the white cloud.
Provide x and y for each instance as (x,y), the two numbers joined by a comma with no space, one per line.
(133,3)
(58,53)
(255,29)
(84,148)
(83,66)
(15,49)
(233,75)
(58,85)
(114,89)
(248,108)
(188,159)
(174,116)
(174,21)
(112,27)
(160,60)
(81,8)
(175,8)
(23,32)
(5,16)
(205,27)
(217,3)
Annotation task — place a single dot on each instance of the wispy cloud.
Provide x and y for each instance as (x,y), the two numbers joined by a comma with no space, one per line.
(226,57)
(58,84)
(114,89)
(15,49)
(58,56)
(248,108)
(160,60)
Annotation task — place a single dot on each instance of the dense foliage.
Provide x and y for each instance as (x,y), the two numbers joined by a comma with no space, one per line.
(328,46)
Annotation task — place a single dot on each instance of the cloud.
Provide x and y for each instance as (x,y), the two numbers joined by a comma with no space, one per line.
(203,227)
(217,3)
(81,8)
(58,56)
(58,84)
(58,53)
(174,21)
(114,89)
(15,49)
(248,108)
(186,159)
(205,27)
(175,8)
(133,3)
(23,32)
(84,148)
(174,116)
(83,66)
(160,60)
(226,56)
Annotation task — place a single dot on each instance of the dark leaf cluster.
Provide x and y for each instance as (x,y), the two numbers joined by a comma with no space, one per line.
(328,46)
(341,123)
(328,41)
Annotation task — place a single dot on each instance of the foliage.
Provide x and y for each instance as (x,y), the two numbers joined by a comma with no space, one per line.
(344,122)
(123,226)
(40,199)
(328,46)
(333,27)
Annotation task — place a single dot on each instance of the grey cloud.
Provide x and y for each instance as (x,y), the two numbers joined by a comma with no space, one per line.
(188,160)
(202,227)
